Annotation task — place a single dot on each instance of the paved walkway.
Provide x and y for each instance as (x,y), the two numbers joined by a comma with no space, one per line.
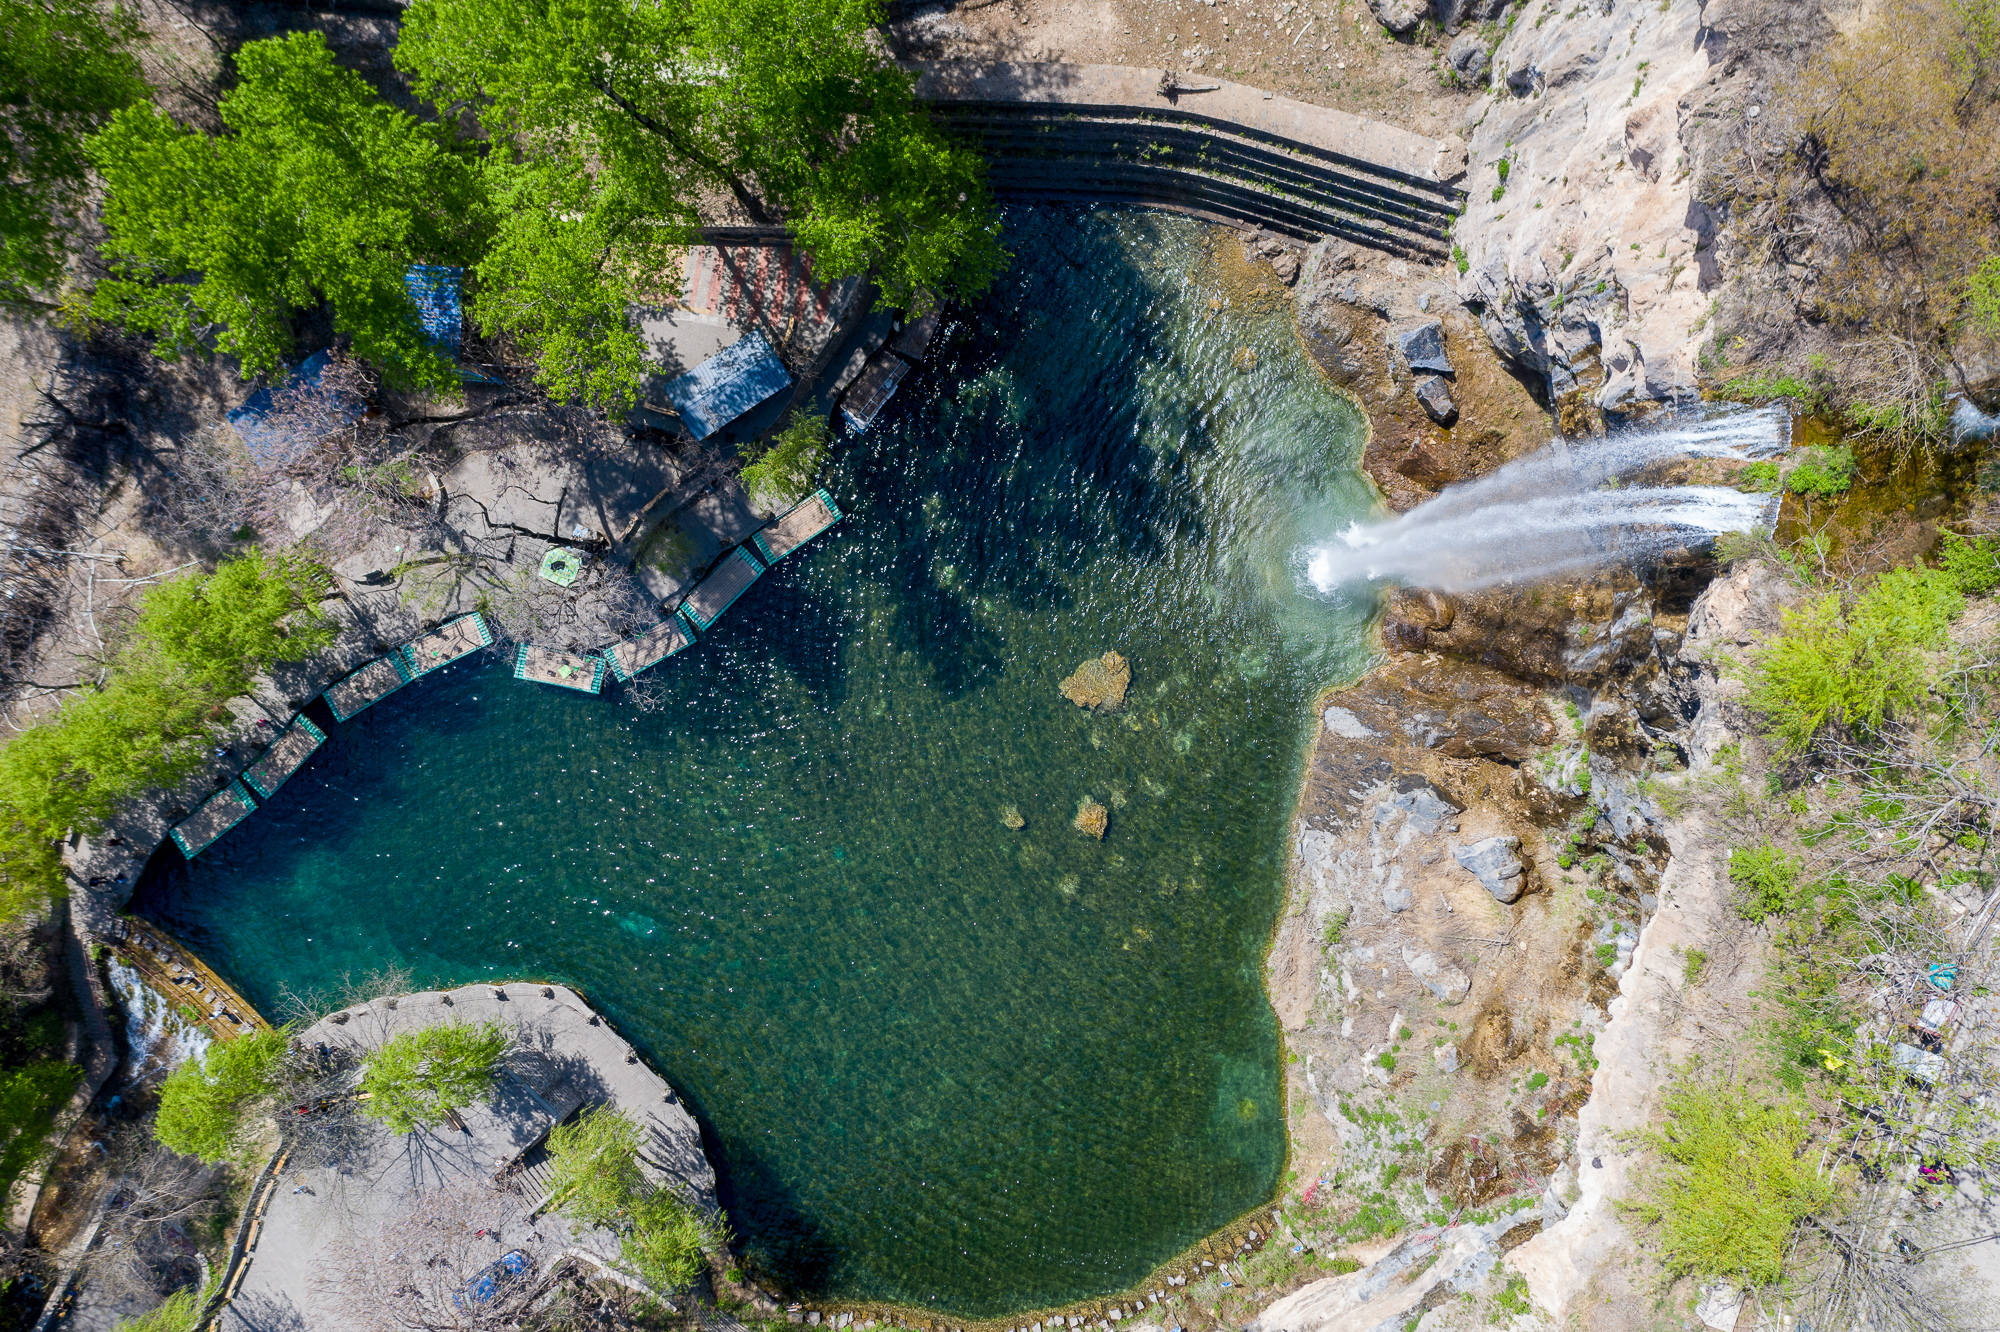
(1229,104)
(322,1222)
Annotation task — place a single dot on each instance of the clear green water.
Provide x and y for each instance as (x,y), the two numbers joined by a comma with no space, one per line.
(940,1063)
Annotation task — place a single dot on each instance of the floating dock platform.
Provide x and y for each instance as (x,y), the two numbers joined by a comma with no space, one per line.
(217,815)
(367,686)
(649,649)
(564,670)
(446,644)
(287,754)
(806,520)
(718,592)
(863,402)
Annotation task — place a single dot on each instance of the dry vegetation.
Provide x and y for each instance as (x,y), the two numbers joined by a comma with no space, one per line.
(1868,193)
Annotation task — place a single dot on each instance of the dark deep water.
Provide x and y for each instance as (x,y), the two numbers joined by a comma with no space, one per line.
(942,1063)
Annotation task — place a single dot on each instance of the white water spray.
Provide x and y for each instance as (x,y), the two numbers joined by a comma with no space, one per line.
(1559,512)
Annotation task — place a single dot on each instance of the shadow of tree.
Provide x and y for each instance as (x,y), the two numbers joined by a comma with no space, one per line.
(1031,446)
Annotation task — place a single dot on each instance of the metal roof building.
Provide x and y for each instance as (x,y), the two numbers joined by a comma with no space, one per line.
(727,385)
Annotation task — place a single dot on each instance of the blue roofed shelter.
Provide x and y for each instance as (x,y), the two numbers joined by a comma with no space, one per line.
(278,437)
(435,289)
(727,385)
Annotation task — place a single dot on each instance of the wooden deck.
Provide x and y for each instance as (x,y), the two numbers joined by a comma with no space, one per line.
(446,644)
(367,686)
(649,649)
(806,520)
(564,670)
(185,979)
(915,340)
(862,403)
(718,592)
(286,756)
(217,815)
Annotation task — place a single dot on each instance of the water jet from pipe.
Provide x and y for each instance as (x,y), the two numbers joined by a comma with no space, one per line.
(1570,507)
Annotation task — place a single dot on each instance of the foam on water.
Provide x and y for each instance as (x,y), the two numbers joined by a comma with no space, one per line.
(1559,511)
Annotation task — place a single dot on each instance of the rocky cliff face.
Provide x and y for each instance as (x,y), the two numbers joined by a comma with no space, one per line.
(1584,249)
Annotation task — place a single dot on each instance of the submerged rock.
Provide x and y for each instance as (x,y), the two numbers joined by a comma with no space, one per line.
(1100,683)
(1494,863)
(1011,816)
(1092,818)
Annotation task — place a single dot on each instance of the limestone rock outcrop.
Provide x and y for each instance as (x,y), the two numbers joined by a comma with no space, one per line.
(1496,863)
(1585,248)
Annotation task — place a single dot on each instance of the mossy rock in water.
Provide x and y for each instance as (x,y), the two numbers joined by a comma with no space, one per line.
(1099,684)
(1012,818)
(1092,818)
(1245,360)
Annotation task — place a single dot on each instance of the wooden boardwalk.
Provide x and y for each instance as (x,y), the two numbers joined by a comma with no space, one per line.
(173,969)
(446,644)
(564,670)
(716,593)
(287,754)
(801,524)
(649,649)
(367,686)
(217,815)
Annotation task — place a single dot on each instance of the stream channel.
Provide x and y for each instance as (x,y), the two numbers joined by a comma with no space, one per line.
(939,1063)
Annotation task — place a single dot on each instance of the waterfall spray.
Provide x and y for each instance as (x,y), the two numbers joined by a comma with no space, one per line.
(1560,511)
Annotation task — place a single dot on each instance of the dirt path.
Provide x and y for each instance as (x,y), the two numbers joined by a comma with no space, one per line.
(1331,52)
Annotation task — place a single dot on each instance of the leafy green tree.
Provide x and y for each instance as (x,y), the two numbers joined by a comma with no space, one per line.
(1836,663)
(831,129)
(63,70)
(319,191)
(221,628)
(597,1180)
(179,1312)
(787,465)
(204,1102)
(595,1165)
(29,1098)
(196,642)
(415,1080)
(666,1239)
(610,121)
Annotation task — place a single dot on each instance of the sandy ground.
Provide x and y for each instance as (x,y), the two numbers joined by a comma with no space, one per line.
(1331,52)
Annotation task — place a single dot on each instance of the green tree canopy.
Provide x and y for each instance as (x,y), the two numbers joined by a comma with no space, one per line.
(196,642)
(597,1180)
(223,627)
(319,191)
(611,121)
(594,1163)
(204,1102)
(63,71)
(414,1080)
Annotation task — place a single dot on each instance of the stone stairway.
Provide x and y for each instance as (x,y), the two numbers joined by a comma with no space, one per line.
(1221,150)
(1177,160)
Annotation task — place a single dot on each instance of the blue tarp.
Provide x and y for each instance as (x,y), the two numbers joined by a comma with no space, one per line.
(435,289)
(278,443)
(727,385)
